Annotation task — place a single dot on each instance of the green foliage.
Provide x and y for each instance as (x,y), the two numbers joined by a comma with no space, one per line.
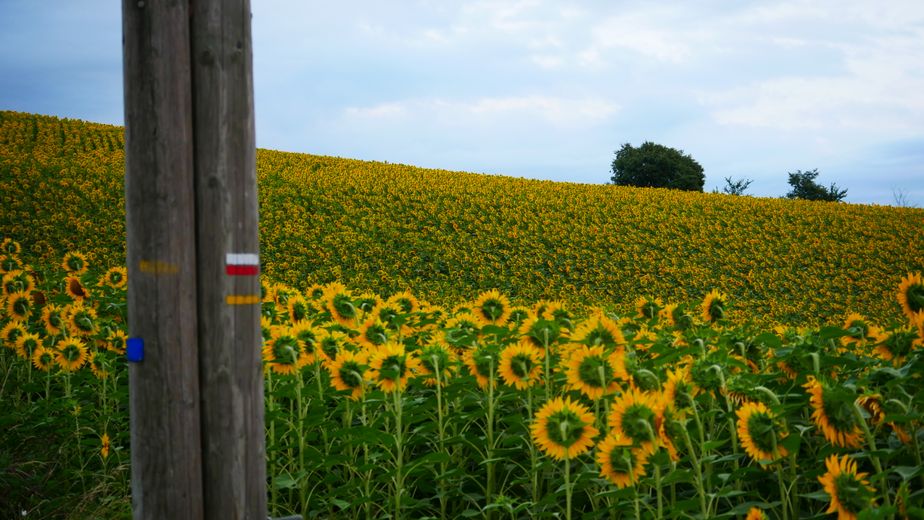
(736,187)
(657,166)
(804,187)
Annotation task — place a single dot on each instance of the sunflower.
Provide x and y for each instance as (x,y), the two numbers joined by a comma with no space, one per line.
(634,415)
(620,462)
(897,344)
(713,306)
(521,365)
(540,331)
(339,302)
(599,330)
(670,424)
(104,446)
(563,428)
(347,373)
(491,308)
(648,308)
(331,343)
(11,333)
(911,295)
(850,492)
(26,344)
(462,330)
(10,246)
(43,358)
(756,513)
(71,354)
(405,301)
(53,316)
(18,280)
(75,288)
(518,315)
(759,433)
(116,341)
(372,334)
(74,263)
(679,389)
(833,413)
(283,352)
(858,329)
(116,277)
(481,361)
(82,321)
(99,364)
(307,337)
(19,306)
(434,358)
(872,403)
(593,373)
(390,366)
(299,308)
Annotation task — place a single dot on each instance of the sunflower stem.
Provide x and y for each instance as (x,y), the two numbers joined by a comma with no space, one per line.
(871,441)
(489,450)
(568,488)
(399,451)
(657,468)
(441,433)
(533,459)
(698,472)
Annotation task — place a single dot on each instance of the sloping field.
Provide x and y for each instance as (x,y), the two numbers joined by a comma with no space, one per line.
(450,235)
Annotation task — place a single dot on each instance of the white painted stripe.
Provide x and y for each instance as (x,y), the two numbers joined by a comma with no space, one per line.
(242,259)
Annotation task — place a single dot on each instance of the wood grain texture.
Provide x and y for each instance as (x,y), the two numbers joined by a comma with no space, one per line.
(231,378)
(160,224)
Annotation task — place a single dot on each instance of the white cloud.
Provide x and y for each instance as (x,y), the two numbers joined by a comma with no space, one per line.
(556,111)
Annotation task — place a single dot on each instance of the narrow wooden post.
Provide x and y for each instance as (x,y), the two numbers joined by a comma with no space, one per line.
(194,297)
(160,226)
(234,463)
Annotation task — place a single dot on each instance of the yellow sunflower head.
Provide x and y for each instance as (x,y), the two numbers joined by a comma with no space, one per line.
(482,362)
(634,416)
(372,334)
(911,295)
(521,365)
(833,412)
(897,344)
(517,316)
(339,303)
(82,320)
(760,433)
(116,341)
(116,277)
(9,263)
(71,354)
(307,336)
(491,308)
(599,330)
(75,263)
(18,280)
(283,352)
(540,331)
(621,462)
(462,330)
(347,373)
(679,390)
(19,306)
(299,308)
(858,329)
(648,308)
(390,366)
(331,343)
(756,513)
(10,247)
(850,492)
(75,288)
(11,333)
(714,306)
(26,345)
(104,446)
(405,302)
(99,364)
(563,429)
(594,373)
(436,364)
(54,317)
(43,358)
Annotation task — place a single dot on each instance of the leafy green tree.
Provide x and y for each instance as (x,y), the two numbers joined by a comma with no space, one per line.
(736,187)
(804,187)
(658,166)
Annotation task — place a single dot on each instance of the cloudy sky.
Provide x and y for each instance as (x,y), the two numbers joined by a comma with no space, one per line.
(541,88)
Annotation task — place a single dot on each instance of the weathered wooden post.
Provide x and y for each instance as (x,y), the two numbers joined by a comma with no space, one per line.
(195,383)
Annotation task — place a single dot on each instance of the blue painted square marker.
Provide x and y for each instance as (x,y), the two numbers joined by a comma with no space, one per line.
(134,349)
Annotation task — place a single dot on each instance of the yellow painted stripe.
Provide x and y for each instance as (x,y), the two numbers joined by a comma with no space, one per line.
(242,299)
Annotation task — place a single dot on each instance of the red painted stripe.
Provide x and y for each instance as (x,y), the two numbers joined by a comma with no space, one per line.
(242,270)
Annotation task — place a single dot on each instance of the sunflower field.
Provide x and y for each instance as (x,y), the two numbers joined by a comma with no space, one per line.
(450,345)
(395,407)
(448,235)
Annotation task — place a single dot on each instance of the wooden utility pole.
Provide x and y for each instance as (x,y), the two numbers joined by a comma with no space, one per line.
(195,382)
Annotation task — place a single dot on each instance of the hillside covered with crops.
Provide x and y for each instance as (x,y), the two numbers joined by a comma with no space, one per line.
(451,235)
